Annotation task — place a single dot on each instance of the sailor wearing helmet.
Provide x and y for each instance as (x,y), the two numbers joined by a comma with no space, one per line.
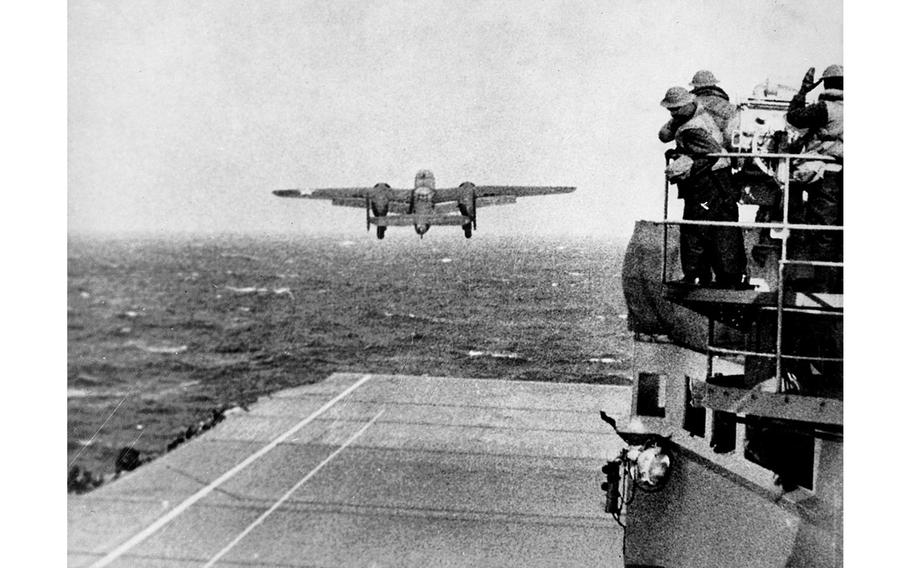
(708,254)
(824,181)
(714,100)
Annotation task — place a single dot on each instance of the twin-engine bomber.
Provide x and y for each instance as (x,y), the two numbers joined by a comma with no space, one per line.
(425,204)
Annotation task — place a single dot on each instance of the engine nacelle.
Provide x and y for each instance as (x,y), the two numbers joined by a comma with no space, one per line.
(467,201)
(379,199)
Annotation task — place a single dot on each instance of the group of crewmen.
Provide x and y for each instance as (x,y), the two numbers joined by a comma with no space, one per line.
(701,123)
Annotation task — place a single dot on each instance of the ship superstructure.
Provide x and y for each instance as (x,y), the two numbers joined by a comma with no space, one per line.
(736,424)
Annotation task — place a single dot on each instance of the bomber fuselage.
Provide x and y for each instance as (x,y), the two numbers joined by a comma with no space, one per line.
(422,198)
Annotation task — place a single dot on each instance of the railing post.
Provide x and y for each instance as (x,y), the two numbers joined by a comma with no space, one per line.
(781,265)
(709,342)
(663,269)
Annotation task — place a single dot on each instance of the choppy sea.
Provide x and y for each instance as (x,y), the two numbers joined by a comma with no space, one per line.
(161,331)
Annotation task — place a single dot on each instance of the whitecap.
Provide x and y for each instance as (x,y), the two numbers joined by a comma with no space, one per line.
(606,360)
(445,260)
(90,379)
(76,393)
(284,291)
(505,355)
(165,349)
(494,354)
(246,290)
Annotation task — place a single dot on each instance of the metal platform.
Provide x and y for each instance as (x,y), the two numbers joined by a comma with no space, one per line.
(794,299)
(372,470)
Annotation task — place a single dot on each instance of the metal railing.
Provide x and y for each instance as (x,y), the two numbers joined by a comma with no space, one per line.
(783,227)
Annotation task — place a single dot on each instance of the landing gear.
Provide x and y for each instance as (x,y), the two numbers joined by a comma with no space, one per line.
(380,232)
(467,230)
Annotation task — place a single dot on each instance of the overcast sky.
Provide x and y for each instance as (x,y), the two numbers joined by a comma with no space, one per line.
(183,116)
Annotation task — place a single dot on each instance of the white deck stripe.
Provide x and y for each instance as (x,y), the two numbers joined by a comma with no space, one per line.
(170,515)
(284,497)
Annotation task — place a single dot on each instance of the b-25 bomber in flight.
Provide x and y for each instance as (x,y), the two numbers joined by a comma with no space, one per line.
(424,205)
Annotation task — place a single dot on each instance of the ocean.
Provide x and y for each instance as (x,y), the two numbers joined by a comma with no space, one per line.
(162,331)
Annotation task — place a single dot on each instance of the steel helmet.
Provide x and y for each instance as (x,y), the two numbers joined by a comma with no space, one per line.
(703,78)
(833,71)
(677,97)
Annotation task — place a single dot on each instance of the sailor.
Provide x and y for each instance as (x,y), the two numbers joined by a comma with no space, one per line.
(823,180)
(715,100)
(706,188)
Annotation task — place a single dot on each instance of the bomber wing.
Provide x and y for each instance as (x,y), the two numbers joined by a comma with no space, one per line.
(520,190)
(500,194)
(348,196)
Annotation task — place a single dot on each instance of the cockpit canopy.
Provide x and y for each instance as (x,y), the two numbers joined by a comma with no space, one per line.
(425,178)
